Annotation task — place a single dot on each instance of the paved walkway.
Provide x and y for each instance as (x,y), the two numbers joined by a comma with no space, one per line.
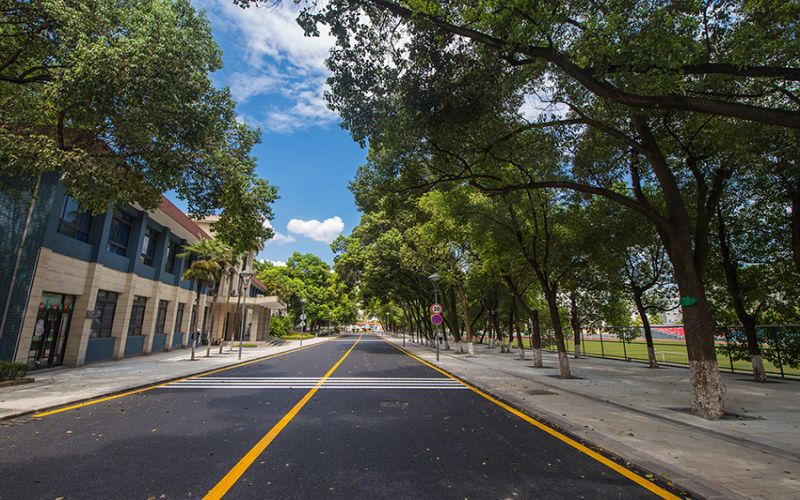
(64,385)
(640,414)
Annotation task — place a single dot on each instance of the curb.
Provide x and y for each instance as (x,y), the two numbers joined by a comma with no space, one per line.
(151,383)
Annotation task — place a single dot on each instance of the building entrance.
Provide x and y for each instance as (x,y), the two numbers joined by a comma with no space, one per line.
(50,330)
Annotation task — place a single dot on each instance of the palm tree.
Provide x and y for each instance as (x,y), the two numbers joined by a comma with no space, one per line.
(222,255)
(203,272)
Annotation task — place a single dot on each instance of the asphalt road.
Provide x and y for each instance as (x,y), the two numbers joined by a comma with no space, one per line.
(382,426)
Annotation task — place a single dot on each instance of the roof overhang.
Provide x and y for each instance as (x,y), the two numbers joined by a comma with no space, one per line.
(272,302)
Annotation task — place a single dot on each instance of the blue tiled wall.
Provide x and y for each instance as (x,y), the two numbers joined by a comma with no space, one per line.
(134,345)
(100,349)
(159,342)
(14,205)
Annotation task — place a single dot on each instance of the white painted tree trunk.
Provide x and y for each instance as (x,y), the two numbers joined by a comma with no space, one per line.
(651,356)
(759,373)
(521,353)
(471,349)
(577,351)
(563,365)
(537,358)
(708,391)
(491,342)
(460,347)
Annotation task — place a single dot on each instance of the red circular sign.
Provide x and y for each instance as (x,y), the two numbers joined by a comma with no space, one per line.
(436,319)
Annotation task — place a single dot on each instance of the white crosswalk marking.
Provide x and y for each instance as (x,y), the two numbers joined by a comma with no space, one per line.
(309,382)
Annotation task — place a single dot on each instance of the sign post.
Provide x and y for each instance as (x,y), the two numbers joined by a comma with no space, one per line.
(436,319)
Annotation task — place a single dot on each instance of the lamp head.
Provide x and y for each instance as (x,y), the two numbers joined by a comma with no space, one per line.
(434,277)
(246,275)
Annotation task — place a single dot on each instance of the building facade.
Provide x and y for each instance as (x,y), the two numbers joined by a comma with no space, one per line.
(239,296)
(77,288)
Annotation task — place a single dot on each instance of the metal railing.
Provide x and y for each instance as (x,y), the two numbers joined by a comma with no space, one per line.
(780,346)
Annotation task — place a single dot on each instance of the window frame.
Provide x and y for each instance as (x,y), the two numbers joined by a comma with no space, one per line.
(120,218)
(179,317)
(97,329)
(161,316)
(79,226)
(147,254)
(138,309)
(173,248)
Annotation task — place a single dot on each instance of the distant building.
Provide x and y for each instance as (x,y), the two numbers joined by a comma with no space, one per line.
(77,288)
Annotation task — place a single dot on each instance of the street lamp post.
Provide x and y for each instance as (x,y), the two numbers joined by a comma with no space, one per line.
(245,275)
(435,280)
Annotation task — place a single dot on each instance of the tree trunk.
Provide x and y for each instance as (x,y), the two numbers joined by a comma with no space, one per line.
(551,296)
(467,324)
(453,318)
(536,339)
(521,354)
(708,390)
(648,334)
(492,328)
(730,267)
(575,324)
(795,224)
(211,322)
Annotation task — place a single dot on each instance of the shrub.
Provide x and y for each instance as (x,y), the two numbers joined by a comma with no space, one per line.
(12,371)
(279,327)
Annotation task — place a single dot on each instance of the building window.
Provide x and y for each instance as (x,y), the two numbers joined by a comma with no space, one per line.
(172,256)
(75,222)
(161,317)
(149,246)
(103,317)
(120,233)
(137,316)
(179,318)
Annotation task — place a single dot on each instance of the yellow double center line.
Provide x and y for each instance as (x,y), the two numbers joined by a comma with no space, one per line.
(227,482)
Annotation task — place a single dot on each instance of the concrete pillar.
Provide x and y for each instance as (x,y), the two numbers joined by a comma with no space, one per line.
(80,328)
(122,318)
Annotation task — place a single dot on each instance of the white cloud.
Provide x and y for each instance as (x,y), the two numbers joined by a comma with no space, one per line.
(325,231)
(279,238)
(244,86)
(277,263)
(280,60)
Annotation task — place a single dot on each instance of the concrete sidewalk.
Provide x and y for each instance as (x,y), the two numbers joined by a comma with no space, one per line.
(642,415)
(60,386)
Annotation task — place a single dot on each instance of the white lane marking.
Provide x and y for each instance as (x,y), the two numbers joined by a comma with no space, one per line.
(309,382)
(309,386)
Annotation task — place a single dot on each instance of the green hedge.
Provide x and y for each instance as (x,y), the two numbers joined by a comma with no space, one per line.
(12,371)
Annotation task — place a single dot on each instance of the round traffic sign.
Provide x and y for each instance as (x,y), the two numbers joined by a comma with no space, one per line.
(303,316)
(436,309)
(436,319)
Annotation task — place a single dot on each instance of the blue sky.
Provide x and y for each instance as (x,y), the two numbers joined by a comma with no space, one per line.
(277,76)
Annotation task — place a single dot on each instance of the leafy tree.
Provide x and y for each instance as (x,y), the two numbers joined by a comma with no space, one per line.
(116,97)
(650,96)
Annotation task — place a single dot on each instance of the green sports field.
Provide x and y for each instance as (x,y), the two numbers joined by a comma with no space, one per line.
(667,351)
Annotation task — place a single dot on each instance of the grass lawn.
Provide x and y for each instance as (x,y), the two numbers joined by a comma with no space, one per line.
(672,352)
